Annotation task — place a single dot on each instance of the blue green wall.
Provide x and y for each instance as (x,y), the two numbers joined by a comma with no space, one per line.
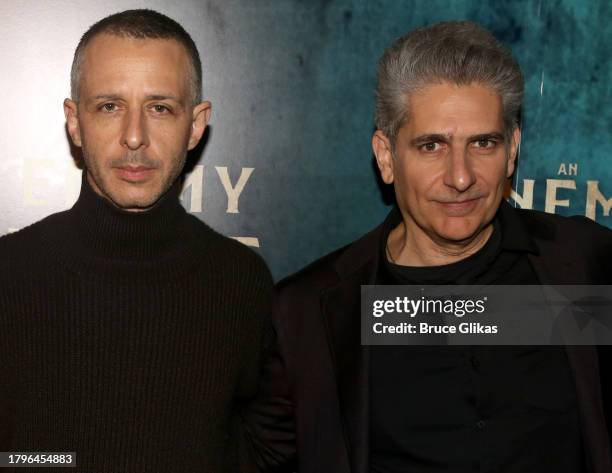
(292,86)
(312,66)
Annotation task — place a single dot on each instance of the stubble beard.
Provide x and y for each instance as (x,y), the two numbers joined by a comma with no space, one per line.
(104,183)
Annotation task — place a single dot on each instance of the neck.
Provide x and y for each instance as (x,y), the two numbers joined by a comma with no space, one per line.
(410,246)
(94,187)
(98,241)
(107,231)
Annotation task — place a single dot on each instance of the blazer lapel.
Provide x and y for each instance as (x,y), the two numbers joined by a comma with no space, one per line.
(556,266)
(340,306)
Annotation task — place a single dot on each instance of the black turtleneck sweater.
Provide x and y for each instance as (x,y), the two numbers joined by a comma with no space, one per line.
(131,339)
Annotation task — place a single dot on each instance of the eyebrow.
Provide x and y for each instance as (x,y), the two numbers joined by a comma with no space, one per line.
(148,97)
(439,137)
(163,97)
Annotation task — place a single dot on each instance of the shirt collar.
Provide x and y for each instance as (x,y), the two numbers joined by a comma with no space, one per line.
(514,234)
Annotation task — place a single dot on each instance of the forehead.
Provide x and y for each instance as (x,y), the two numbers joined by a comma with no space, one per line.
(120,63)
(455,109)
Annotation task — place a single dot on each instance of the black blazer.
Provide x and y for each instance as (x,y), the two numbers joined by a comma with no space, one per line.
(320,370)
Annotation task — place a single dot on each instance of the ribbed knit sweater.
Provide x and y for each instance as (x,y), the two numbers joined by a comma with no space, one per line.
(131,339)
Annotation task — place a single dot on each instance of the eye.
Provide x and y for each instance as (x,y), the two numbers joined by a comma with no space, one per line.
(159,108)
(431,147)
(485,143)
(108,107)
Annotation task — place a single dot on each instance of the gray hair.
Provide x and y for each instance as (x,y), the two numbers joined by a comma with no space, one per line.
(460,52)
(139,24)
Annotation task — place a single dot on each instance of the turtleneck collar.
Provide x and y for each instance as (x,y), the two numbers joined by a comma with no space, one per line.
(106,231)
(99,241)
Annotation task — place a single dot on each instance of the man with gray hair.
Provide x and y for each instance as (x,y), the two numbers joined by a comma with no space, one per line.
(448,131)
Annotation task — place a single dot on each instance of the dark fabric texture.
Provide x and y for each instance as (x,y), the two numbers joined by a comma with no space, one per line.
(459,408)
(325,371)
(132,339)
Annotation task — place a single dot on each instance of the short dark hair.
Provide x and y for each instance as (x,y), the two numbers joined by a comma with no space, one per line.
(460,52)
(139,24)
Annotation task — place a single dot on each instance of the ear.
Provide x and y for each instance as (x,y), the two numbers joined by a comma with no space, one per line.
(72,121)
(381,145)
(200,118)
(515,146)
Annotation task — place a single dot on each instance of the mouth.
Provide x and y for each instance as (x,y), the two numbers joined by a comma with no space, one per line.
(459,208)
(134,174)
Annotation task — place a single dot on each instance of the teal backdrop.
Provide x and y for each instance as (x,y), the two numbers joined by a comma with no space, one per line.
(287,165)
(313,65)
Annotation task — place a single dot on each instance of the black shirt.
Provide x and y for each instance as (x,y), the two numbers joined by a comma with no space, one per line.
(485,408)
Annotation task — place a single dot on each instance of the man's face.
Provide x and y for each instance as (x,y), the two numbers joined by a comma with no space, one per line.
(135,119)
(451,161)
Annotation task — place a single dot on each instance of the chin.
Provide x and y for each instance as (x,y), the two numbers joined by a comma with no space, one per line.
(135,201)
(458,231)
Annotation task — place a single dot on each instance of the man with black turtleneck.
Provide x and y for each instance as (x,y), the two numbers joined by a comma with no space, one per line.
(130,332)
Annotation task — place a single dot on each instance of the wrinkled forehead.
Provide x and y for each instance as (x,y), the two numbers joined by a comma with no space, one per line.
(454,108)
(125,65)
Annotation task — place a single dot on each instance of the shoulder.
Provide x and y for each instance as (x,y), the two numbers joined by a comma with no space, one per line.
(565,230)
(317,275)
(577,222)
(30,238)
(19,238)
(571,242)
(341,264)
(229,256)
(24,253)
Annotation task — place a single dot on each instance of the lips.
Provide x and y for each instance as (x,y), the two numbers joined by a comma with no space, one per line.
(459,208)
(134,174)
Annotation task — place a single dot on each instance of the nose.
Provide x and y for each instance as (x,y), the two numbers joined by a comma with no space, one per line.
(134,130)
(459,173)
